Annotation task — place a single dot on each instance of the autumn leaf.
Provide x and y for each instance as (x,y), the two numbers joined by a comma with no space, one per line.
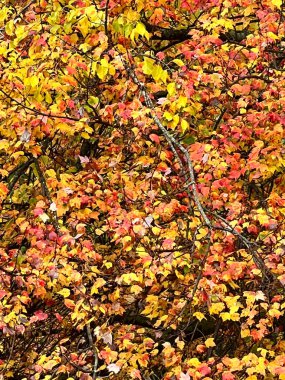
(142,189)
(41,316)
(64,292)
(210,342)
(69,303)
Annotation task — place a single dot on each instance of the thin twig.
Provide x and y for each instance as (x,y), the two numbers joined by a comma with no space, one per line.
(91,343)
(25,8)
(82,369)
(202,265)
(106,21)
(50,115)
(46,192)
(19,171)
(10,354)
(36,111)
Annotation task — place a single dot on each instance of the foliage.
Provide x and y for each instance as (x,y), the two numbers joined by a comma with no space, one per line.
(142,189)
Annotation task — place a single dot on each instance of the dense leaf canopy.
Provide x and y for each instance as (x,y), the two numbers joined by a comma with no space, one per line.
(142,189)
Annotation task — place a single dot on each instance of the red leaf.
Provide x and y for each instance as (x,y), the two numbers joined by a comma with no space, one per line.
(58,317)
(2,294)
(228,376)
(41,315)
(204,369)
(154,138)
(71,70)
(38,211)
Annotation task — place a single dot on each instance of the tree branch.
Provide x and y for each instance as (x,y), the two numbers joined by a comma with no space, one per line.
(19,171)
(172,142)
(46,192)
(91,343)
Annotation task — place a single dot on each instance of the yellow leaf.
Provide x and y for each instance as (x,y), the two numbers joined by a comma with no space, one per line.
(178,62)
(4,13)
(34,81)
(93,100)
(42,359)
(256,272)
(156,230)
(245,332)
(102,309)
(132,15)
(83,26)
(225,316)
(180,344)
(9,29)
(277,3)
(108,265)
(164,76)
(157,73)
(181,102)
(272,35)
(216,307)
(66,128)
(127,242)
(225,47)
(167,115)
(9,374)
(4,144)
(85,135)
(262,218)
(51,173)
(112,70)
(147,66)
(175,121)
(21,32)
(88,129)
(141,30)
(184,125)
(210,342)
(102,71)
(48,98)
(92,14)
(128,278)
(274,313)
(9,317)
(194,362)
(199,315)
(233,284)
(17,154)
(202,233)
(98,284)
(104,62)
(171,88)
(64,292)
(136,289)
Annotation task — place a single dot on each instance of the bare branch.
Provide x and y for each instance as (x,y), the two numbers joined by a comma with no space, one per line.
(19,171)
(172,142)
(91,343)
